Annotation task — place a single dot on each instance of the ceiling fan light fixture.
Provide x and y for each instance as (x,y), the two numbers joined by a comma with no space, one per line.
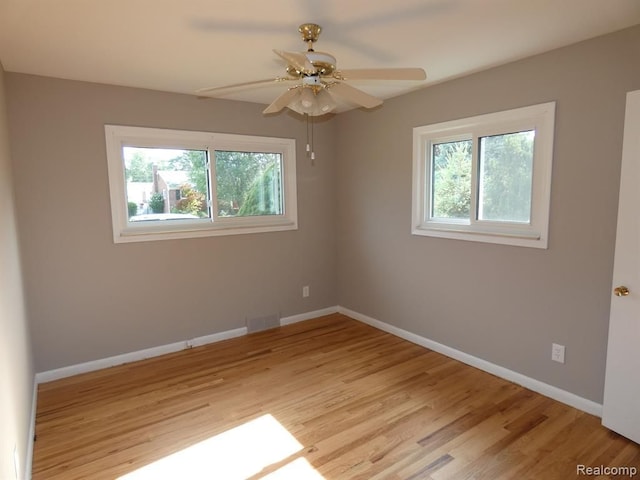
(296,105)
(307,99)
(313,102)
(326,103)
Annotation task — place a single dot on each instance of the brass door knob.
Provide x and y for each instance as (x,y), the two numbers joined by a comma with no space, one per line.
(621,291)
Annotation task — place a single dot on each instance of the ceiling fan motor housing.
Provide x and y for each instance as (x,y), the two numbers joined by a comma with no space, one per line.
(323,64)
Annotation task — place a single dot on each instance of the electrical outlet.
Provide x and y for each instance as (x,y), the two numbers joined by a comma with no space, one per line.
(305,291)
(557,353)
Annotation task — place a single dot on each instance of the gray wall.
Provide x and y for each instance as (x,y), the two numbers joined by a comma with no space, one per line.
(16,368)
(500,303)
(89,298)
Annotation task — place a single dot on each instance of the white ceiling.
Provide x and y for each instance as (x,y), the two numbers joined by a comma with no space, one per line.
(183,45)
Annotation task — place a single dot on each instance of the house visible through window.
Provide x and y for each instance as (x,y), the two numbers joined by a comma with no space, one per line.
(174,184)
(485,178)
(166,181)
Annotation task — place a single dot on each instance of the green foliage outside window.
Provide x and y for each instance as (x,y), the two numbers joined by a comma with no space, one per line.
(156,203)
(132,208)
(263,198)
(451,179)
(195,163)
(139,169)
(506,163)
(191,201)
(504,177)
(237,176)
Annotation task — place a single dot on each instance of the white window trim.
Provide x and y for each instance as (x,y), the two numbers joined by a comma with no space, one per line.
(118,136)
(540,118)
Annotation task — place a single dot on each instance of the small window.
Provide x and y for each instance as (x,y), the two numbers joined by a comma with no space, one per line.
(485,178)
(175,184)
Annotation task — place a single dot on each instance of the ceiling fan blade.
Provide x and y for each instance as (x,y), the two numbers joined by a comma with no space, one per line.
(354,95)
(297,60)
(382,74)
(212,91)
(282,101)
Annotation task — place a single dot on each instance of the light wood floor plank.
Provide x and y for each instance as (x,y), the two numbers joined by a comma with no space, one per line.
(362,404)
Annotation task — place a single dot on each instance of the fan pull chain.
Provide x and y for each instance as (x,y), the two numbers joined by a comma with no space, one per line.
(310,153)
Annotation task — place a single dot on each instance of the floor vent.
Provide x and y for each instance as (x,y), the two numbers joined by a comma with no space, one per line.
(259,324)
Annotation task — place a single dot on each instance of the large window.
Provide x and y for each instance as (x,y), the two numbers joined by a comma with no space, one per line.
(176,184)
(485,178)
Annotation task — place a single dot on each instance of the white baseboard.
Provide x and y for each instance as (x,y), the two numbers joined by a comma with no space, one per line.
(71,370)
(307,316)
(545,389)
(216,337)
(58,373)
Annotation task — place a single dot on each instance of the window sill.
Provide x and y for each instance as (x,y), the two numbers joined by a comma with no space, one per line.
(148,234)
(515,237)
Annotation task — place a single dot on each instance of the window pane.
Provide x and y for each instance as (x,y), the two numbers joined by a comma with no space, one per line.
(505,179)
(451,179)
(166,184)
(248,184)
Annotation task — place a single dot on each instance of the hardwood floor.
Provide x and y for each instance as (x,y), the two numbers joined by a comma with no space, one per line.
(328,398)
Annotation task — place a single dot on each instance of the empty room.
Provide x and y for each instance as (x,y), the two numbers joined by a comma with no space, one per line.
(319,240)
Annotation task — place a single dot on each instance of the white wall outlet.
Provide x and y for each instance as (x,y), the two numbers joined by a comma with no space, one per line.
(557,353)
(305,291)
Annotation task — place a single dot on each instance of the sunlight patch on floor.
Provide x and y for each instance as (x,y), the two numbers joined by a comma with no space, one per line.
(299,469)
(236,454)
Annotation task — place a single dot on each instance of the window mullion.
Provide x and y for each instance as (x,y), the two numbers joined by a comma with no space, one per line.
(475,164)
(211,172)
(427,181)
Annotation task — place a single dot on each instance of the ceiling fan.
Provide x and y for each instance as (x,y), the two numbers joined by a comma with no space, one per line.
(316,83)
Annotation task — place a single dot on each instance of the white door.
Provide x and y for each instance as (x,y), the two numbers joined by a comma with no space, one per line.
(621,407)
